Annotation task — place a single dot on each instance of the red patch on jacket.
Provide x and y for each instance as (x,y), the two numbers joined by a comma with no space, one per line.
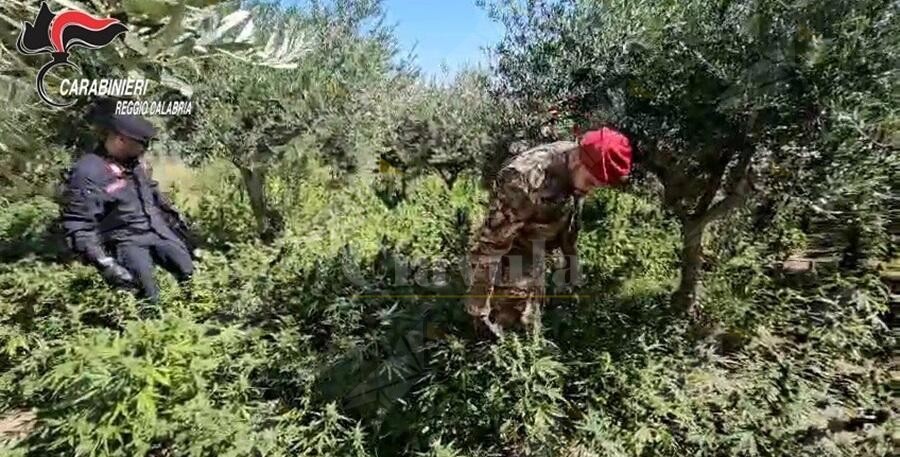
(116,170)
(116,185)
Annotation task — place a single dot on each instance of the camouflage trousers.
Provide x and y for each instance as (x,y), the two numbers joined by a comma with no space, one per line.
(519,290)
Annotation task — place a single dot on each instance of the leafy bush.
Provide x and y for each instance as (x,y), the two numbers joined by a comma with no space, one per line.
(27,226)
(111,394)
(496,399)
(626,236)
(337,336)
(267,348)
(214,202)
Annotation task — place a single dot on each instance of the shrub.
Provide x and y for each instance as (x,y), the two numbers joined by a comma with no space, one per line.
(504,398)
(27,227)
(217,205)
(123,394)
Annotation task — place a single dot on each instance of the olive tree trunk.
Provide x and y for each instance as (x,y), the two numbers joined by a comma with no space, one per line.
(255,183)
(694,201)
(685,297)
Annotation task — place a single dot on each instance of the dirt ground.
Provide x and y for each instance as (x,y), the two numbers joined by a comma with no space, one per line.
(16,424)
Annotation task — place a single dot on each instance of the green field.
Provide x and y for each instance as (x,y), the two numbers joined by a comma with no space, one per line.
(325,317)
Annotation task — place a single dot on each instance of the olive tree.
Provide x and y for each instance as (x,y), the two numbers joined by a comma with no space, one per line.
(715,94)
(443,129)
(166,42)
(251,115)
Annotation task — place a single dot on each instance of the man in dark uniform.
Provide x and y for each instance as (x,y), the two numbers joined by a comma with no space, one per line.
(115,216)
(534,210)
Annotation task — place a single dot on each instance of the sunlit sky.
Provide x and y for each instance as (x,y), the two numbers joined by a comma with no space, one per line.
(451,32)
(443,31)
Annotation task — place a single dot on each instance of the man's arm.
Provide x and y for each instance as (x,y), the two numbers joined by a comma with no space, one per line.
(510,209)
(83,209)
(80,216)
(174,219)
(569,238)
(568,242)
(159,199)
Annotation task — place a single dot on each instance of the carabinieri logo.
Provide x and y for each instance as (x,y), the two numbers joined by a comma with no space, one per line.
(57,33)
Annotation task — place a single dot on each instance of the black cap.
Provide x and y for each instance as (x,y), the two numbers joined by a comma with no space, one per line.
(134,127)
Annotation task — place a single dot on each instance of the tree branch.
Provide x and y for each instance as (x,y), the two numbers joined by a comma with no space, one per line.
(712,186)
(661,163)
(739,188)
(724,206)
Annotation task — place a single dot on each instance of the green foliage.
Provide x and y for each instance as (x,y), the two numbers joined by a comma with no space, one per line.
(26,227)
(447,130)
(337,338)
(125,393)
(256,117)
(612,247)
(221,210)
(770,391)
(502,397)
(719,96)
(263,351)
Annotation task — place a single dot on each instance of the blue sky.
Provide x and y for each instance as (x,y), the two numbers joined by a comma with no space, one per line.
(442,31)
(439,31)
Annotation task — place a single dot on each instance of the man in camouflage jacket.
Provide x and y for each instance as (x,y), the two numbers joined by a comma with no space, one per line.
(535,209)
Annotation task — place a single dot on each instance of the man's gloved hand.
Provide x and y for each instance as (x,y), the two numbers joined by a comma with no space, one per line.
(570,293)
(485,329)
(114,273)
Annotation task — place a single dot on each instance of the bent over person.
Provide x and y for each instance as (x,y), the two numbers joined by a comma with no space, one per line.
(114,215)
(534,210)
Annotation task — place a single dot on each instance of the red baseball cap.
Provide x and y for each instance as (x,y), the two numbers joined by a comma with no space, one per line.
(607,155)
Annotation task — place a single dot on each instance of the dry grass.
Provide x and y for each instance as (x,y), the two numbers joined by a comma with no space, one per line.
(172,172)
(16,424)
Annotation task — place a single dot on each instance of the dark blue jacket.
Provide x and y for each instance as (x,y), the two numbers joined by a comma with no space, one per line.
(109,203)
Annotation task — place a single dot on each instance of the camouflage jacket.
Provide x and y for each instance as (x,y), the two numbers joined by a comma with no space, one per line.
(532,201)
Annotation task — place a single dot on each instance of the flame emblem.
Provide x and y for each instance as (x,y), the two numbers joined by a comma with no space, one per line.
(57,33)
